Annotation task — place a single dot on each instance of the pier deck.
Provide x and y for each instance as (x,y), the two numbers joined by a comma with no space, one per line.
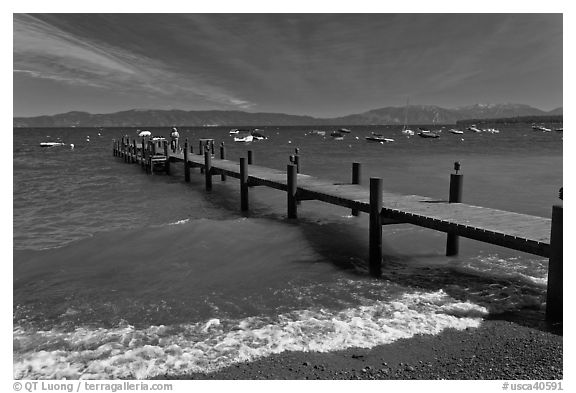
(517,231)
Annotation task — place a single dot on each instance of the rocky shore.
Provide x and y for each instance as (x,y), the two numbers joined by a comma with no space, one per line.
(498,349)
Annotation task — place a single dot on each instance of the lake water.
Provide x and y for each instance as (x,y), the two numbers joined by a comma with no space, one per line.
(118,274)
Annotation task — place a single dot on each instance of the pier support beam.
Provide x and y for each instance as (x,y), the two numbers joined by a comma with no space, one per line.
(375,230)
(456,181)
(356,179)
(208,169)
(186,165)
(554,298)
(134,151)
(167,162)
(291,192)
(250,157)
(222,157)
(243,184)
(143,154)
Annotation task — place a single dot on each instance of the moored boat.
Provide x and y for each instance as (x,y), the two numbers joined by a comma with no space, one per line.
(428,134)
(338,136)
(344,130)
(473,128)
(491,130)
(455,131)
(244,136)
(379,138)
(51,144)
(536,127)
(258,136)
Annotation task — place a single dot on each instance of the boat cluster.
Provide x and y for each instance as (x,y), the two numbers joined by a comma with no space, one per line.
(247,135)
(539,127)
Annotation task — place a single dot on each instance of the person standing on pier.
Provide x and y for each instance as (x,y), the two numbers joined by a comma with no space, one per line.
(174,136)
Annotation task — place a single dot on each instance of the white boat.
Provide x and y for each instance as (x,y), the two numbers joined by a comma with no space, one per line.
(473,128)
(424,133)
(144,133)
(234,131)
(258,136)
(344,130)
(379,138)
(455,131)
(51,144)
(540,128)
(338,136)
(491,130)
(244,138)
(405,129)
(318,132)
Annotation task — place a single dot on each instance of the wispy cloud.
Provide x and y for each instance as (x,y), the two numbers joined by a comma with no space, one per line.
(42,50)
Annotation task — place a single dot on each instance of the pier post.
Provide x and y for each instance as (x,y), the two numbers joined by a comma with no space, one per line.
(208,169)
(149,157)
(186,165)
(292,190)
(167,162)
(554,299)
(250,157)
(114,147)
(243,184)
(356,179)
(222,157)
(375,230)
(212,147)
(455,196)
(142,154)
(200,150)
(134,151)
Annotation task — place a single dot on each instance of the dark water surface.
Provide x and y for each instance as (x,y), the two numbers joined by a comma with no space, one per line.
(120,274)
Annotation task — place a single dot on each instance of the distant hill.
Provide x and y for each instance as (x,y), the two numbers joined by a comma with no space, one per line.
(417,114)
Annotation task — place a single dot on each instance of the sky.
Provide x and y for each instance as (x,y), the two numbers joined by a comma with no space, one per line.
(323,65)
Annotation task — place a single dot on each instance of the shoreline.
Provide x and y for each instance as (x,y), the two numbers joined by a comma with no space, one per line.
(510,349)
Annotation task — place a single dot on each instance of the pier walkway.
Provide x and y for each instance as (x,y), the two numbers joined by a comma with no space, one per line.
(530,234)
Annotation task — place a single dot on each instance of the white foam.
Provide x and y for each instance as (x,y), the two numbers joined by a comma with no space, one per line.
(530,270)
(127,352)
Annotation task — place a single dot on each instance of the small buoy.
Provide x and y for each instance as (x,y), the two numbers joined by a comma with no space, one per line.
(357,138)
(71,146)
(289,141)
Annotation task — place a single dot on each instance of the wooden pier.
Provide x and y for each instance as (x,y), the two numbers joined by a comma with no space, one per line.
(534,235)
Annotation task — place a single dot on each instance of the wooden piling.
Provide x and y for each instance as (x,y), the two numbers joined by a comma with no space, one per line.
(243,184)
(455,196)
(212,147)
(297,162)
(167,162)
(208,170)
(292,177)
(554,298)
(356,179)
(142,163)
(375,235)
(222,157)
(250,157)
(200,149)
(186,164)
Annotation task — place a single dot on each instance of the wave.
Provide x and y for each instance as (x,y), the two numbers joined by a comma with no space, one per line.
(207,346)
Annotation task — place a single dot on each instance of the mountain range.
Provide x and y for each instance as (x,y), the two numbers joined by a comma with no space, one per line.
(416,114)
